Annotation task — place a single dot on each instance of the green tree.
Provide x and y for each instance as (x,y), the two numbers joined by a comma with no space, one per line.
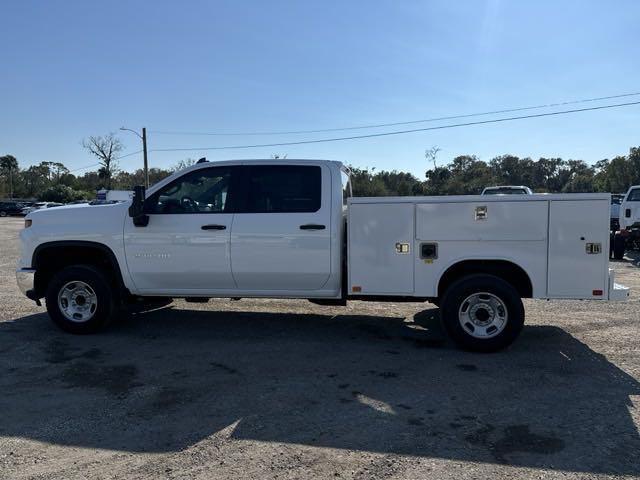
(35,179)
(365,183)
(8,171)
(64,194)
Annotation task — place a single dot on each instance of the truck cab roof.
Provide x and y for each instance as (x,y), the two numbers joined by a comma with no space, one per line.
(334,164)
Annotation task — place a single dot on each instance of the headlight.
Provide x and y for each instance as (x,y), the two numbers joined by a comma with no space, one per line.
(27,222)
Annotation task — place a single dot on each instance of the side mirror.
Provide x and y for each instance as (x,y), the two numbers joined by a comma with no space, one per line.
(136,210)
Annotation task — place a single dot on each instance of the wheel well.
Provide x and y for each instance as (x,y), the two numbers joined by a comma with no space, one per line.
(49,258)
(508,271)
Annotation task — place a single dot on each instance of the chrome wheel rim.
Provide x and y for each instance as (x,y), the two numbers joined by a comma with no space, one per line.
(77,301)
(483,315)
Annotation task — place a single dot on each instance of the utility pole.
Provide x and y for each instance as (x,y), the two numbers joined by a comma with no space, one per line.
(10,183)
(146,165)
(143,137)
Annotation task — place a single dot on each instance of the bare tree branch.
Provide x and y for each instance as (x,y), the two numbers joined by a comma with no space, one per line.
(106,149)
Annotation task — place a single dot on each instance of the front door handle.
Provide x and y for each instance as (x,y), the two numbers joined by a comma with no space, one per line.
(312,226)
(214,227)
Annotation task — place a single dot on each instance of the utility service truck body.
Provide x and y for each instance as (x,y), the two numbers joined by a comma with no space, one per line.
(290,229)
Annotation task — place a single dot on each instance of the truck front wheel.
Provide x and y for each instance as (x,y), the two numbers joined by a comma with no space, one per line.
(482,313)
(80,299)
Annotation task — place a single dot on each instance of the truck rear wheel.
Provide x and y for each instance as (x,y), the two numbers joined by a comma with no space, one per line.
(482,313)
(619,244)
(80,299)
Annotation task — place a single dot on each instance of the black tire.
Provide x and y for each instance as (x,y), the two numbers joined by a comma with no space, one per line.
(3,213)
(619,245)
(105,308)
(457,295)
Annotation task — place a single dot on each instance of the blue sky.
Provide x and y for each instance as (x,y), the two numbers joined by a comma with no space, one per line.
(76,68)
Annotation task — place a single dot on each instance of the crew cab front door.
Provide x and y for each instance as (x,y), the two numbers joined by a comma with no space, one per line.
(185,247)
(281,235)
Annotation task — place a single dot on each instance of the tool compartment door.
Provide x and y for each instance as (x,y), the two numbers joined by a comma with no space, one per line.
(578,249)
(381,248)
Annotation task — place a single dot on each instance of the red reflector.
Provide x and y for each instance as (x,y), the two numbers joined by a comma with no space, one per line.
(597,293)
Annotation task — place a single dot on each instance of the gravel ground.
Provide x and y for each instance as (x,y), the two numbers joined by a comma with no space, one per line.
(286,389)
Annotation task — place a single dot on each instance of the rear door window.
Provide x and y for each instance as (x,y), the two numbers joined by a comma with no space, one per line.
(282,189)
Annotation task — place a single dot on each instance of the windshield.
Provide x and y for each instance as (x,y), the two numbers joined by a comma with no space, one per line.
(634,195)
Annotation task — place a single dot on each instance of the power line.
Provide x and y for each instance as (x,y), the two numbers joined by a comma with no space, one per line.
(128,155)
(395,124)
(83,168)
(400,132)
(98,164)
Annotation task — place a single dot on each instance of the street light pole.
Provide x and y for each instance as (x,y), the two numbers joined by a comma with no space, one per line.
(146,165)
(142,137)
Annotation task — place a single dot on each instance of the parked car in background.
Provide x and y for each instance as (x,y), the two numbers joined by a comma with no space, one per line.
(507,190)
(39,206)
(10,208)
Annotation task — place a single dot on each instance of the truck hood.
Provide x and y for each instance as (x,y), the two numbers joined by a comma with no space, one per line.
(80,208)
(80,214)
(103,224)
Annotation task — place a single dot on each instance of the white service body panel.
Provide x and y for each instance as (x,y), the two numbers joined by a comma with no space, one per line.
(573,272)
(560,241)
(375,264)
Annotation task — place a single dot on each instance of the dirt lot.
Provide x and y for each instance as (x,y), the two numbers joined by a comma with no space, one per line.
(285,389)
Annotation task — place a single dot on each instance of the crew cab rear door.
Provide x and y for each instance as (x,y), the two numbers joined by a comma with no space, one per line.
(185,247)
(280,240)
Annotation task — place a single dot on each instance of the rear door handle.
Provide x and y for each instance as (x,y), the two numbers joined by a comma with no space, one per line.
(312,226)
(214,227)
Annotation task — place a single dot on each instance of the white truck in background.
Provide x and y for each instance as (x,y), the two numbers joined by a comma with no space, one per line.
(290,229)
(629,222)
(507,190)
(113,195)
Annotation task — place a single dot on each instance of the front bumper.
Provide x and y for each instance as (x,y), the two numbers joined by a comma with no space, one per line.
(26,282)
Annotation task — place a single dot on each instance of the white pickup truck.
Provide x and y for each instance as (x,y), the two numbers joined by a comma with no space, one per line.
(629,222)
(290,229)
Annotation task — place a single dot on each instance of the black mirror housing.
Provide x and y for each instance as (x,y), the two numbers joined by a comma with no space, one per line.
(136,210)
